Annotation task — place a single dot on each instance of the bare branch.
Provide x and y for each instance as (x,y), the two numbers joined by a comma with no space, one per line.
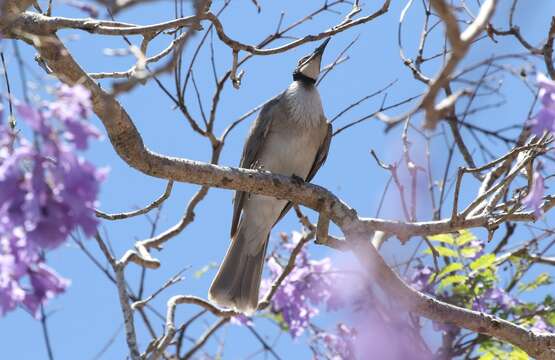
(460,43)
(156,203)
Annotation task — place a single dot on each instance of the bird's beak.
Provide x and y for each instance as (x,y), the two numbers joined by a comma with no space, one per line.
(319,51)
(309,66)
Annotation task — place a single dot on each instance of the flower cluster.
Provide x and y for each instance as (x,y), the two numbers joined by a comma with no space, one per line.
(46,192)
(534,199)
(542,122)
(307,287)
(420,279)
(494,298)
(341,343)
(540,325)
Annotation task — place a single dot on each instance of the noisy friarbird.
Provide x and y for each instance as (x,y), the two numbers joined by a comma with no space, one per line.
(291,136)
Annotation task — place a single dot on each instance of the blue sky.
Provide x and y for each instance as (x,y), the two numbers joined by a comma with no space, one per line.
(87,315)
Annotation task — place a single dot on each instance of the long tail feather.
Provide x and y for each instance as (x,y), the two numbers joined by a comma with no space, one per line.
(237,282)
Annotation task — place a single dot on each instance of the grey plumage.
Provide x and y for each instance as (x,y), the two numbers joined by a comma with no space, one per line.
(290,137)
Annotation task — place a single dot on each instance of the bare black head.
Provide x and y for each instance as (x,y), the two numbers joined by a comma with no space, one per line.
(308,68)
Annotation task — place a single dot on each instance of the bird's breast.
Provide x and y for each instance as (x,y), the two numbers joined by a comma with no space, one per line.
(291,147)
(303,104)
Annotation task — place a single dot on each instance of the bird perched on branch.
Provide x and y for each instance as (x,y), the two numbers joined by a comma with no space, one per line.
(291,136)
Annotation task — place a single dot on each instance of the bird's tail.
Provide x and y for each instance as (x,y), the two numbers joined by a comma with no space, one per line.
(238,279)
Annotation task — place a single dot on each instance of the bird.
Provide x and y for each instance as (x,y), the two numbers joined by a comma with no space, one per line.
(291,136)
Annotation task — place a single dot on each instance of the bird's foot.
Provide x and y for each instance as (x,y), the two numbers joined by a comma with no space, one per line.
(297,179)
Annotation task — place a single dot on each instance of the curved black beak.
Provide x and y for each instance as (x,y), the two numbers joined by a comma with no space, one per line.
(320,49)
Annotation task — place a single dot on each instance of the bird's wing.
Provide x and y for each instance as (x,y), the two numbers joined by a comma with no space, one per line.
(322,154)
(251,151)
(321,157)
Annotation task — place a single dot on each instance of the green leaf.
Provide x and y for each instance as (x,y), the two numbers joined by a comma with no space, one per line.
(550,317)
(442,251)
(450,268)
(461,289)
(487,277)
(492,350)
(515,260)
(483,262)
(444,238)
(542,279)
(452,279)
(203,270)
(469,251)
(487,356)
(518,354)
(465,236)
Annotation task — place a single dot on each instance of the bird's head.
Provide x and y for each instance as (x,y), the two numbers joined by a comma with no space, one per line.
(308,67)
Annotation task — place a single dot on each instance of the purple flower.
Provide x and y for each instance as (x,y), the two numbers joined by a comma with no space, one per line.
(547,89)
(341,344)
(10,292)
(420,279)
(73,102)
(12,188)
(79,132)
(534,199)
(34,118)
(19,259)
(495,297)
(45,214)
(540,325)
(545,118)
(46,191)
(72,108)
(46,284)
(80,188)
(309,285)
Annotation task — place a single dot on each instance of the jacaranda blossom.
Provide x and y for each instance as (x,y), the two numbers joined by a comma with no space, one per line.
(340,344)
(545,118)
(420,279)
(47,191)
(73,105)
(307,287)
(540,325)
(534,199)
(493,298)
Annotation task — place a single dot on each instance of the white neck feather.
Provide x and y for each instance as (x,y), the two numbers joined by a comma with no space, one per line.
(304,104)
